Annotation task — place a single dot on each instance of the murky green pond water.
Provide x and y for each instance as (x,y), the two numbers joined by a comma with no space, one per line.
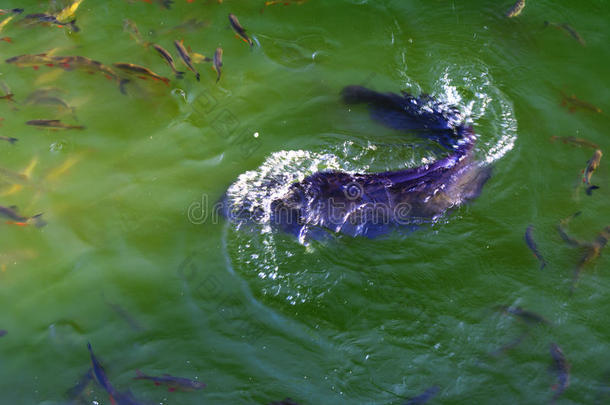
(133,261)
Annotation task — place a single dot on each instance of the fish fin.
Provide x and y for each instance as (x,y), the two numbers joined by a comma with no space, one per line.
(73,25)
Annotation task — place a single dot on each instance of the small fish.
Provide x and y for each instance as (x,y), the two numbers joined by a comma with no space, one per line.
(69,11)
(173,383)
(516,9)
(80,386)
(592,249)
(30,60)
(525,315)
(135,325)
(8,139)
(189,25)
(140,70)
(564,235)
(51,19)
(424,397)
(99,373)
(529,240)
(574,140)
(55,101)
(168,58)
(573,103)
(17,219)
(11,11)
(568,29)
(562,369)
(218,63)
(199,58)
(592,165)
(510,345)
(592,252)
(130,27)
(239,30)
(184,55)
(53,124)
(5,22)
(3,332)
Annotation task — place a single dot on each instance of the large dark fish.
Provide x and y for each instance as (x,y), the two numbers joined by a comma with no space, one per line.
(562,369)
(239,30)
(376,203)
(529,240)
(173,383)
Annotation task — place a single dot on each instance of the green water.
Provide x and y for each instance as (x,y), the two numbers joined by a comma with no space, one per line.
(256,315)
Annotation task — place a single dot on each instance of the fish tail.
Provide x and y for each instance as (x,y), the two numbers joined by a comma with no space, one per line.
(73,25)
(197,76)
(38,221)
(12,140)
(433,119)
(122,84)
(589,190)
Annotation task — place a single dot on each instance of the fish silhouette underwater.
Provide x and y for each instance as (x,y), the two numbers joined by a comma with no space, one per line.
(373,204)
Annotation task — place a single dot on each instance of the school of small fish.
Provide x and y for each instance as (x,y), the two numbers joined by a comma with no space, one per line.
(124,73)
